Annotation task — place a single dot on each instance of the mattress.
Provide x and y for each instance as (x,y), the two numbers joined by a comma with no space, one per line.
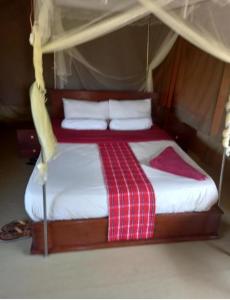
(76,188)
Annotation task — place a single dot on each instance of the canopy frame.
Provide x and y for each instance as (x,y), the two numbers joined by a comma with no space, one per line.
(144,8)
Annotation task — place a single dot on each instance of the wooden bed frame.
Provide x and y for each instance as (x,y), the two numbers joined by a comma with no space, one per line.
(92,233)
(55,98)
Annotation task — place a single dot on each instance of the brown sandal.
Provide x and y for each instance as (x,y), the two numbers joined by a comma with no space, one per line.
(8,236)
(15,230)
(17,223)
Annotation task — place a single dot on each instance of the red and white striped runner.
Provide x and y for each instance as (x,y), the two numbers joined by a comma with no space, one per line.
(131,195)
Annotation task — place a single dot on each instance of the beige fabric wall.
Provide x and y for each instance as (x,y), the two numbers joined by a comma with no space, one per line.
(197,83)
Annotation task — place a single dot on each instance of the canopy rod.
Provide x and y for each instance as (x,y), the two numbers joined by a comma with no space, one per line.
(147,46)
(31,14)
(185,14)
(45,224)
(226,151)
(221,176)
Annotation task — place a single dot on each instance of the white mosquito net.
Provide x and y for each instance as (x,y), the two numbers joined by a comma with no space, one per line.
(69,28)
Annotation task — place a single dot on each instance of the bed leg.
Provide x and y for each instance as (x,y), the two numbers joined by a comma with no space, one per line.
(45,225)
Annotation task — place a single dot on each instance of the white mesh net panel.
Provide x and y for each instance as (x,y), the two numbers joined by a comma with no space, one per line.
(202,22)
(85,33)
(117,61)
(121,29)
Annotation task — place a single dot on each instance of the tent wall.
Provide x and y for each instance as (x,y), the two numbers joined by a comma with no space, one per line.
(15,59)
(16,65)
(190,83)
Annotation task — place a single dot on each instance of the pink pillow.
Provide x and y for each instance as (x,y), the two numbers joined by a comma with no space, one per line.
(169,161)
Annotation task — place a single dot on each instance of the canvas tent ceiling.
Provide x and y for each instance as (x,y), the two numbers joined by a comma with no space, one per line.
(63,24)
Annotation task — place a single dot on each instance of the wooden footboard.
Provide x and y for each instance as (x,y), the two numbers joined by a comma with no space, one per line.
(92,233)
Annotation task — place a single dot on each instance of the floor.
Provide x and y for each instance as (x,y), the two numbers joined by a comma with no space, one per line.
(181,270)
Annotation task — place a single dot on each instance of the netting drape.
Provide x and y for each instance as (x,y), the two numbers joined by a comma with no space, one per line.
(117,61)
(64,24)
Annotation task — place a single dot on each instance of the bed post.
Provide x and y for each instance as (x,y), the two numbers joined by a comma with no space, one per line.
(45,225)
(221,176)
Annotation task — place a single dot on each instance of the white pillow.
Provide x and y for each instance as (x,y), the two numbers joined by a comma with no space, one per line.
(131,124)
(80,109)
(129,109)
(84,124)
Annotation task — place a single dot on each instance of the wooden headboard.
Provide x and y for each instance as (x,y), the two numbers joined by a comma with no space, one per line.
(55,97)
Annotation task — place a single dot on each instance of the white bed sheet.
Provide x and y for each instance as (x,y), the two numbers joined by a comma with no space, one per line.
(76,188)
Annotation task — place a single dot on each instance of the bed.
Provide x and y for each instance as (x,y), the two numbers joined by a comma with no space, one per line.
(77,200)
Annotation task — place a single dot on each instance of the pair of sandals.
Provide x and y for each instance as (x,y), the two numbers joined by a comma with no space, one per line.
(16,229)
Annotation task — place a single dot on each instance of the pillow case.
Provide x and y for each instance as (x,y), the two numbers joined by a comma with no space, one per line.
(84,124)
(131,124)
(81,109)
(129,109)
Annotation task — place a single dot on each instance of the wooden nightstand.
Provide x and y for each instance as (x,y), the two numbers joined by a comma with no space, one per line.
(28,143)
(182,133)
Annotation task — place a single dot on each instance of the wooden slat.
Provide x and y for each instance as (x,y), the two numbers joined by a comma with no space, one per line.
(55,96)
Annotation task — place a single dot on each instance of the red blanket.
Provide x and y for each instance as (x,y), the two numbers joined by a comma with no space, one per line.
(105,136)
(169,161)
(131,196)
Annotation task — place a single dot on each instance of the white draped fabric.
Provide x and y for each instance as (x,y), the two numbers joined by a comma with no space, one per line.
(64,25)
(100,64)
